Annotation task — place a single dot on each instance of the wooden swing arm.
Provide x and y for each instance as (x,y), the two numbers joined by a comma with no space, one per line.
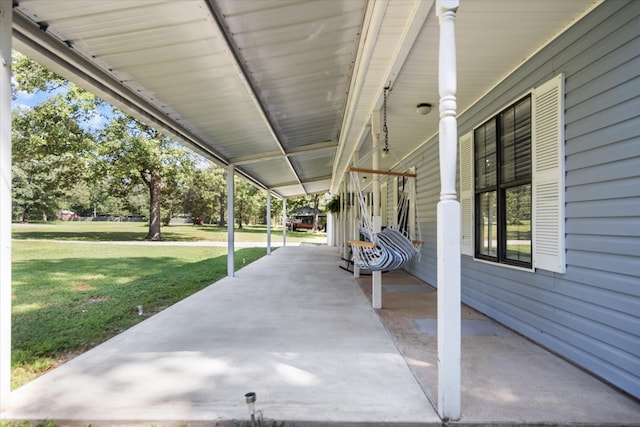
(362,243)
(381,172)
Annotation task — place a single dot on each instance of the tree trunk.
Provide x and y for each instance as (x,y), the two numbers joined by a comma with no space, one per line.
(316,201)
(154,206)
(240,217)
(25,214)
(167,219)
(221,222)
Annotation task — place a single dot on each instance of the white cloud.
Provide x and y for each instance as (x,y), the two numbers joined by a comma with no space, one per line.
(20,107)
(96,121)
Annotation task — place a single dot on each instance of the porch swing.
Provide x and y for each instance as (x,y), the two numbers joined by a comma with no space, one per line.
(393,247)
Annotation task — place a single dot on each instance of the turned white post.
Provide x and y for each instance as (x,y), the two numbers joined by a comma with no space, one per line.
(6,18)
(268,222)
(354,212)
(230,221)
(345,218)
(339,223)
(376,276)
(449,322)
(284,222)
(329,229)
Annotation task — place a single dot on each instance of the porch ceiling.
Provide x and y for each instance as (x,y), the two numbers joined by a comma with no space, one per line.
(282,89)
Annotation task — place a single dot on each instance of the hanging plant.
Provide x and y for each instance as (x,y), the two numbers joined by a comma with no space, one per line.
(333,205)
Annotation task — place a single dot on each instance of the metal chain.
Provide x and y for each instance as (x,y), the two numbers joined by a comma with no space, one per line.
(384,121)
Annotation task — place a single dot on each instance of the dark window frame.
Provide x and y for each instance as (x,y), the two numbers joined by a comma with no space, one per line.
(498,187)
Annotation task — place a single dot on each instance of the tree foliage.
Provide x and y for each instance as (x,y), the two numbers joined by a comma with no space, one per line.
(31,77)
(49,152)
(74,151)
(137,154)
(206,196)
(246,202)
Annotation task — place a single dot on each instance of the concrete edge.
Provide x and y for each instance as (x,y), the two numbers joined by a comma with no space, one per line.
(297,423)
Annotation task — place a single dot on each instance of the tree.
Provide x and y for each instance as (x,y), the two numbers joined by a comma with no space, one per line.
(316,202)
(207,195)
(177,176)
(31,77)
(51,141)
(276,210)
(58,147)
(246,201)
(58,144)
(220,182)
(49,148)
(518,204)
(138,154)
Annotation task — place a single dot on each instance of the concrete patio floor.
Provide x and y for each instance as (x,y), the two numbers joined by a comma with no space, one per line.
(301,333)
(506,379)
(291,327)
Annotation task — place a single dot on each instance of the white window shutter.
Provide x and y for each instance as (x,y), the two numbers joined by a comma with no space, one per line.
(466,194)
(548,176)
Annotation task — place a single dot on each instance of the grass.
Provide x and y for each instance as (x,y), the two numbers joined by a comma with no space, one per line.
(69,296)
(136,231)
(259,423)
(27,424)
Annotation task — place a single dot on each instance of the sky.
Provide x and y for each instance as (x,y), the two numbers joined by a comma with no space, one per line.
(26,100)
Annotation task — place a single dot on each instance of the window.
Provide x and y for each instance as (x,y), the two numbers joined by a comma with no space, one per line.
(512,183)
(502,153)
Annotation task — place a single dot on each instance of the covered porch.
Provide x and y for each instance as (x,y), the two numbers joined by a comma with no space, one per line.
(305,339)
(289,95)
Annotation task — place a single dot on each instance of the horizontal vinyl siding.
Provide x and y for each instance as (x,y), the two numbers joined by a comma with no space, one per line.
(590,314)
(562,333)
(428,194)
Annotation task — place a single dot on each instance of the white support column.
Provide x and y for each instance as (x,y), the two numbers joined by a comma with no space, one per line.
(376,276)
(449,321)
(230,221)
(341,223)
(284,222)
(268,222)
(346,218)
(337,224)
(337,227)
(6,17)
(354,211)
(330,229)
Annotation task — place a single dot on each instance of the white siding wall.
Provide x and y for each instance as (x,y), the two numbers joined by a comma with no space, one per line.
(591,313)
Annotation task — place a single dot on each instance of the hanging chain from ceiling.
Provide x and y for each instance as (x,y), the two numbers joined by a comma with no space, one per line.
(385,129)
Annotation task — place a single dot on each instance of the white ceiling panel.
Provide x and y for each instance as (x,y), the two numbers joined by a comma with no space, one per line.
(285,176)
(285,88)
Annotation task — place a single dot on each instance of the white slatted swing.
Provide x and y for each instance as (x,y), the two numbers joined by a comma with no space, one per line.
(392,248)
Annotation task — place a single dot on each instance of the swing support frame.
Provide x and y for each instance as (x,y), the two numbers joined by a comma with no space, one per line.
(384,250)
(381,172)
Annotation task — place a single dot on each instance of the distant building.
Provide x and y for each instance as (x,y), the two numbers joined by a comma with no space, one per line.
(67,215)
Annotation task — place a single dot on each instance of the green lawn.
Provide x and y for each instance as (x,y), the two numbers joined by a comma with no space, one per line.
(70,296)
(136,231)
